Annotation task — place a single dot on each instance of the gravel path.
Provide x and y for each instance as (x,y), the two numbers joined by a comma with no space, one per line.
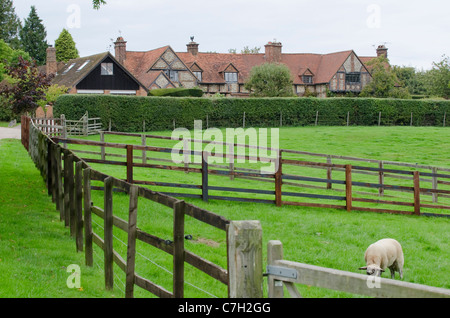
(10,132)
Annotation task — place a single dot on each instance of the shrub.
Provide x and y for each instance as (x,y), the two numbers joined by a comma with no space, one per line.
(127,113)
(176,92)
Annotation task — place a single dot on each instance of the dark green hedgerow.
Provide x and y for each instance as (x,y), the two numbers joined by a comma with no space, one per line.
(127,113)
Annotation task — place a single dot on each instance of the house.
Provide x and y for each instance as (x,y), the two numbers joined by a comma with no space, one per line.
(226,73)
(95,74)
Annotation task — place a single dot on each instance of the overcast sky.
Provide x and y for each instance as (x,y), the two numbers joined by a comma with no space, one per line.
(416,32)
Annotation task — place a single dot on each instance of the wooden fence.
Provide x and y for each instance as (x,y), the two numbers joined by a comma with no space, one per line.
(361,185)
(283,272)
(68,179)
(63,127)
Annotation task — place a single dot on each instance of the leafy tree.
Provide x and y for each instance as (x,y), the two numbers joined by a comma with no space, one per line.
(246,50)
(384,81)
(27,86)
(270,80)
(33,36)
(439,78)
(98,3)
(65,47)
(9,24)
(9,56)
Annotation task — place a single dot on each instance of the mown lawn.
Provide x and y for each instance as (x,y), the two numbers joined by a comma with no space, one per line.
(323,237)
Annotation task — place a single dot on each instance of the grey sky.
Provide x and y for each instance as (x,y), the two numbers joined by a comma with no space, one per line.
(416,32)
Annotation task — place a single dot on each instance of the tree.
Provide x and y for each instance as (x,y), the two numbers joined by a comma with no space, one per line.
(438,78)
(384,81)
(98,3)
(27,88)
(65,47)
(246,50)
(270,80)
(9,24)
(9,56)
(33,37)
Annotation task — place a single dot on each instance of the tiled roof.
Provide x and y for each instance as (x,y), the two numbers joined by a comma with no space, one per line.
(71,73)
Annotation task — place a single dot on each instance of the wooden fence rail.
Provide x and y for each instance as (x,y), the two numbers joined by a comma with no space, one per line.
(284,178)
(68,180)
(283,272)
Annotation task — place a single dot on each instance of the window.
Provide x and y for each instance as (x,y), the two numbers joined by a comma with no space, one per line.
(107,69)
(173,75)
(69,68)
(198,75)
(307,79)
(231,77)
(353,78)
(82,66)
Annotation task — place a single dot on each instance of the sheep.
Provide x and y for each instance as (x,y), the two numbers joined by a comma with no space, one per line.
(381,254)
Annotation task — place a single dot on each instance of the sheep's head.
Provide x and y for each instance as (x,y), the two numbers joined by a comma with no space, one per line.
(373,270)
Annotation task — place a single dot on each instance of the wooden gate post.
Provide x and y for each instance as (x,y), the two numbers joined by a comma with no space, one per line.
(130,163)
(245,270)
(274,253)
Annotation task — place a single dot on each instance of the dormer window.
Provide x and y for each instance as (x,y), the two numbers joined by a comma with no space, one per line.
(307,79)
(107,69)
(198,75)
(231,77)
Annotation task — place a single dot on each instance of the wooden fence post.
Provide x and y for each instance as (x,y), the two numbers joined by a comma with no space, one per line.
(50,163)
(79,205)
(329,171)
(108,230)
(381,178)
(279,181)
(68,179)
(416,177)
(245,259)
(102,148)
(178,250)
(59,182)
(274,253)
(89,257)
(131,247)
(434,184)
(231,158)
(205,176)
(348,187)
(144,152)
(130,163)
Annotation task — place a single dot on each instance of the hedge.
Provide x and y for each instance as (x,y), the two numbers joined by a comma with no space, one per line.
(127,113)
(176,92)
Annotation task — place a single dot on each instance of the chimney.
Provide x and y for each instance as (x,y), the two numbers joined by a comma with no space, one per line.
(273,52)
(51,64)
(192,47)
(120,47)
(382,50)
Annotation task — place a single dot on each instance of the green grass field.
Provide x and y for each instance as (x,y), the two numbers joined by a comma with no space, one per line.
(35,247)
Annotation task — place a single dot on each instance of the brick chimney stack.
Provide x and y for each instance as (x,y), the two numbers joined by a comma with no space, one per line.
(382,50)
(51,65)
(120,47)
(273,52)
(192,47)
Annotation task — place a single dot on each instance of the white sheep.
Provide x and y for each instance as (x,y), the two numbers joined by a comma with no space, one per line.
(385,253)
